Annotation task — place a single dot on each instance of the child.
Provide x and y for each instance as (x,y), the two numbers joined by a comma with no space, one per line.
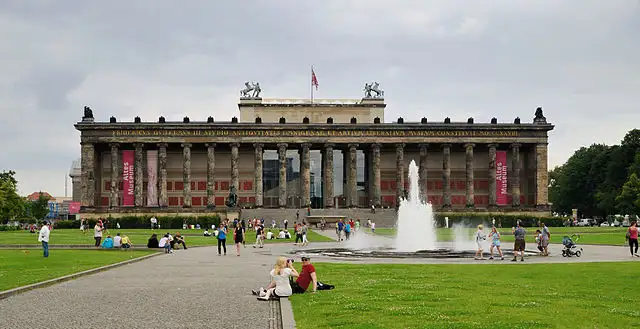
(539,240)
(480,237)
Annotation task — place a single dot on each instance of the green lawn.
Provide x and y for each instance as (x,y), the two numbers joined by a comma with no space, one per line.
(588,235)
(139,237)
(23,267)
(472,296)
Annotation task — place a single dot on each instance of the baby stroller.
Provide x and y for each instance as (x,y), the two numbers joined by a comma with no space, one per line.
(570,247)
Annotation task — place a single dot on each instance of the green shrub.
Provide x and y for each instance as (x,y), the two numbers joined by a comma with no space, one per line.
(9,228)
(504,220)
(67,224)
(168,222)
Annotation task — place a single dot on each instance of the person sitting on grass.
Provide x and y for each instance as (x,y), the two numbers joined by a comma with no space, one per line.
(117,241)
(281,235)
(107,243)
(153,241)
(270,235)
(206,232)
(178,239)
(126,242)
(279,286)
(165,243)
(307,276)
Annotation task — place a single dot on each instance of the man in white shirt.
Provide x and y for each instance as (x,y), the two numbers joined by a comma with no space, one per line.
(154,222)
(44,238)
(281,235)
(269,235)
(117,241)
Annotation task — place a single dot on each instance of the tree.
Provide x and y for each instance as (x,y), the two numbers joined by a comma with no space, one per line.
(629,197)
(11,204)
(40,207)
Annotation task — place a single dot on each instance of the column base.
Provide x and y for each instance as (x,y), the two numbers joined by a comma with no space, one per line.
(446,207)
(211,206)
(542,206)
(185,206)
(471,206)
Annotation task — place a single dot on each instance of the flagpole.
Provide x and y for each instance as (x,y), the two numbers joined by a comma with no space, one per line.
(311,83)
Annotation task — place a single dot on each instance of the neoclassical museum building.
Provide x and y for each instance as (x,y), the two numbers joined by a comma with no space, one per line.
(322,153)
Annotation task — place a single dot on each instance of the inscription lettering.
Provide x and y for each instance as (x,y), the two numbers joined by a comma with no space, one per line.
(315,133)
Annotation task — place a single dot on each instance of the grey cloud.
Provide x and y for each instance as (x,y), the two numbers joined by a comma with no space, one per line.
(577,59)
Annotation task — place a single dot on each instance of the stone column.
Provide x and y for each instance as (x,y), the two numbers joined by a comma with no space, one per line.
(282,157)
(88,175)
(162,174)
(186,174)
(399,172)
(446,175)
(492,175)
(328,175)
(542,177)
(422,171)
(235,156)
(139,175)
(515,177)
(352,182)
(211,175)
(115,177)
(469,175)
(305,172)
(375,167)
(258,149)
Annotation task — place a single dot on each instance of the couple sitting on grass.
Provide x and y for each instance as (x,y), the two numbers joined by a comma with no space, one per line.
(117,242)
(167,242)
(282,284)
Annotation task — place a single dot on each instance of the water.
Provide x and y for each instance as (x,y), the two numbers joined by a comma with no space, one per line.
(416,224)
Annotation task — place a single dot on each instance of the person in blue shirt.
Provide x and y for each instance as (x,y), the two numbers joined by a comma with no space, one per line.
(347,231)
(339,229)
(222,239)
(107,243)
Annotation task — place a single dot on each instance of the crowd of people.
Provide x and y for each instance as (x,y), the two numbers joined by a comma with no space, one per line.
(542,238)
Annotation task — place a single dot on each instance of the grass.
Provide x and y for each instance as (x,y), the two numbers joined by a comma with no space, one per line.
(139,237)
(23,267)
(597,295)
(588,235)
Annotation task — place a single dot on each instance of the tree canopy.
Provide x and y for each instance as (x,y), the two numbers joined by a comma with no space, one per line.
(599,180)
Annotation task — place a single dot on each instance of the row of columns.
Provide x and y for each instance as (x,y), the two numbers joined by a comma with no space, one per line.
(88,174)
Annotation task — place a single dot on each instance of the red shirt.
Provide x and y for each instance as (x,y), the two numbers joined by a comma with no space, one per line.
(633,233)
(305,277)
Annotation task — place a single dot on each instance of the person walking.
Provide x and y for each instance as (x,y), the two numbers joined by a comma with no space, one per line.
(632,236)
(305,241)
(238,237)
(519,233)
(480,238)
(544,240)
(495,243)
(222,240)
(43,237)
(259,236)
(97,234)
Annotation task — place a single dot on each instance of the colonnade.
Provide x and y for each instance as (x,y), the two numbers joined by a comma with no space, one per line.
(374,151)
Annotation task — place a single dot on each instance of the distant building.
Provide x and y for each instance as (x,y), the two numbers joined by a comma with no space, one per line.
(75,174)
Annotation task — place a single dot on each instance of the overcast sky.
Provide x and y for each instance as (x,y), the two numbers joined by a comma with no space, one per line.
(579,60)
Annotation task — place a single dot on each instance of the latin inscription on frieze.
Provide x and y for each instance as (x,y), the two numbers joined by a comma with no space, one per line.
(314,133)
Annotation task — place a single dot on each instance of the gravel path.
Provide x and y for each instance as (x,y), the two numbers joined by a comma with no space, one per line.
(191,288)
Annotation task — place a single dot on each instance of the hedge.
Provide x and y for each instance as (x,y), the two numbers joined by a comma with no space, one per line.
(10,228)
(501,220)
(129,222)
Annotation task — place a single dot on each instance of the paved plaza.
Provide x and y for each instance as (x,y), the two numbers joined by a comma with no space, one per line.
(195,288)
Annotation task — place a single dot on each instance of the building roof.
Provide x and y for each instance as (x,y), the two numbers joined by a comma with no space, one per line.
(35,195)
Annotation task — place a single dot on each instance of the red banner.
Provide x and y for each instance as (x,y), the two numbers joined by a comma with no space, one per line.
(74,208)
(127,178)
(501,178)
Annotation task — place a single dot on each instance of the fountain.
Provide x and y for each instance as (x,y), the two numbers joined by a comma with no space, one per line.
(416,225)
(416,235)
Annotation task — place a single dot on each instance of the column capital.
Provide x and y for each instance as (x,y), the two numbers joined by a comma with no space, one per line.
(258,145)
(423,148)
(400,146)
(210,145)
(138,145)
(305,145)
(515,145)
(375,146)
(469,145)
(492,145)
(114,145)
(352,146)
(282,147)
(186,145)
(162,145)
(329,146)
(86,143)
(446,146)
(234,144)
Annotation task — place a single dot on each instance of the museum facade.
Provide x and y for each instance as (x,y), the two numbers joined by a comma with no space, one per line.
(289,153)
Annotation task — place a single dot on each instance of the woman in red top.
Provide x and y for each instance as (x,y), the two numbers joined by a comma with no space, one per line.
(632,233)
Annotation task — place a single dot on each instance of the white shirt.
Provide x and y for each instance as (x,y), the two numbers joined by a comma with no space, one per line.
(97,231)
(154,220)
(282,282)
(117,241)
(269,235)
(163,242)
(44,234)
(281,235)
